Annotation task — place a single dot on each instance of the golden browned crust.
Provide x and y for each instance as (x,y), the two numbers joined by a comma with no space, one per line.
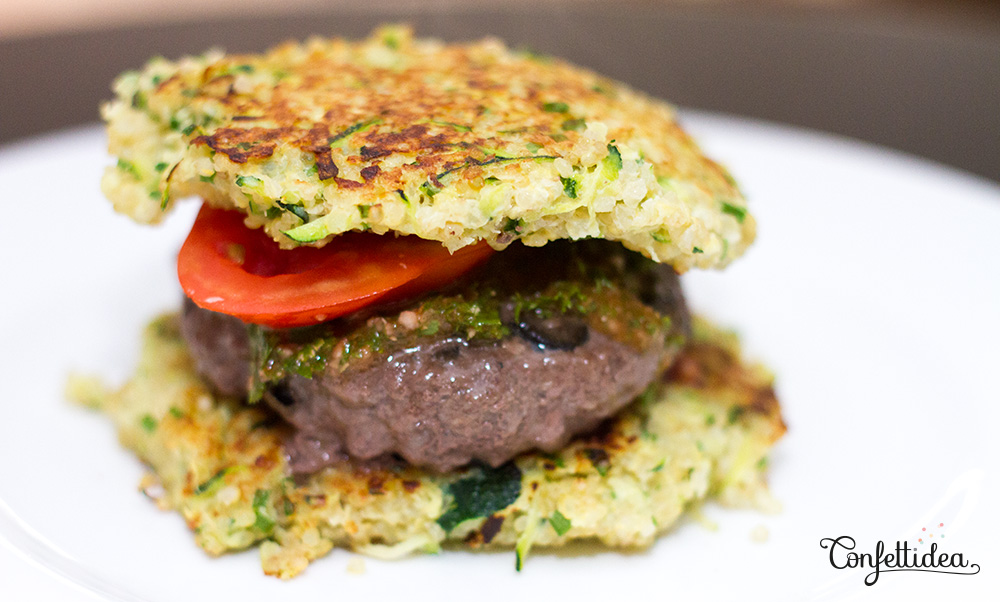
(455,143)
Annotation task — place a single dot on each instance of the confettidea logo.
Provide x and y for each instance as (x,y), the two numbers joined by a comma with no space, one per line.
(923,557)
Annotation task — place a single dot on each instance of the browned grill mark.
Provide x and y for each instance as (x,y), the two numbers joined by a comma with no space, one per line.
(491,526)
(243,144)
(374,152)
(348,184)
(598,457)
(325,167)
(376,486)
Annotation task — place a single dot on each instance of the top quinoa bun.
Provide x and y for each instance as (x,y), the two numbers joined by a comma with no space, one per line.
(432,295)
(453,143)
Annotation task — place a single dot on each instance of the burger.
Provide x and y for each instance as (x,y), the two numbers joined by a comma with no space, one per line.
(431,299)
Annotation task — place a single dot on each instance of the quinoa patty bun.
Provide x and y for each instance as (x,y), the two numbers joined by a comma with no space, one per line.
(454,143)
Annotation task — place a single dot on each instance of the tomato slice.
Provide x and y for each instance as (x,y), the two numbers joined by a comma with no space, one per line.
(229,268)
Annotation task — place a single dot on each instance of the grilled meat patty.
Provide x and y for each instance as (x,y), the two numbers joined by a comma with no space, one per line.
(542,345)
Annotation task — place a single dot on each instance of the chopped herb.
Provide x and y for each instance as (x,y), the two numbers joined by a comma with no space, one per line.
(156,79)
(483,492)
(295,209)
(402,195)
(338,139)
(262,350)
(364,210)
(562,298)
(555,107)
(659,466)
(495,158)
(148,423)
(176,412)
(690,472)
(648,397)
(210,179)
(574,125)
(457,126)
(264,521)
(189,129)
(244,68)
(697,250)
(560,523)
(312,169)
(248,181)
(569,186)
(189,92)
(555,459)
(729,178)
(160,166)
(534,148)
(139,100)
(166,187)
(129,167)
(525,541)
(491,180)
(431,329)
(734,414)
(613,162)
(272,363)
(599,458)
(661,236)
(738,212)
(512,226)
(429,189)
(156,195)
(710,420)
(212,483)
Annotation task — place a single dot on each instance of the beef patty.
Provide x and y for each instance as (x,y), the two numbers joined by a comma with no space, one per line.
(542,345)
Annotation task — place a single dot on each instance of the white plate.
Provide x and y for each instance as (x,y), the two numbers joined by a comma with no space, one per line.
(872,291)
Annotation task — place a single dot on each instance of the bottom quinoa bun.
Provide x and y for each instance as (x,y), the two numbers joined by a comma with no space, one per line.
(700,431)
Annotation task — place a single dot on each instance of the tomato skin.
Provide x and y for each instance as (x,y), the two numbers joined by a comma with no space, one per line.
(229,268)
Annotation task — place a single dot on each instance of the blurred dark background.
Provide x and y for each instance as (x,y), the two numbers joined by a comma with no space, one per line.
(922,77)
